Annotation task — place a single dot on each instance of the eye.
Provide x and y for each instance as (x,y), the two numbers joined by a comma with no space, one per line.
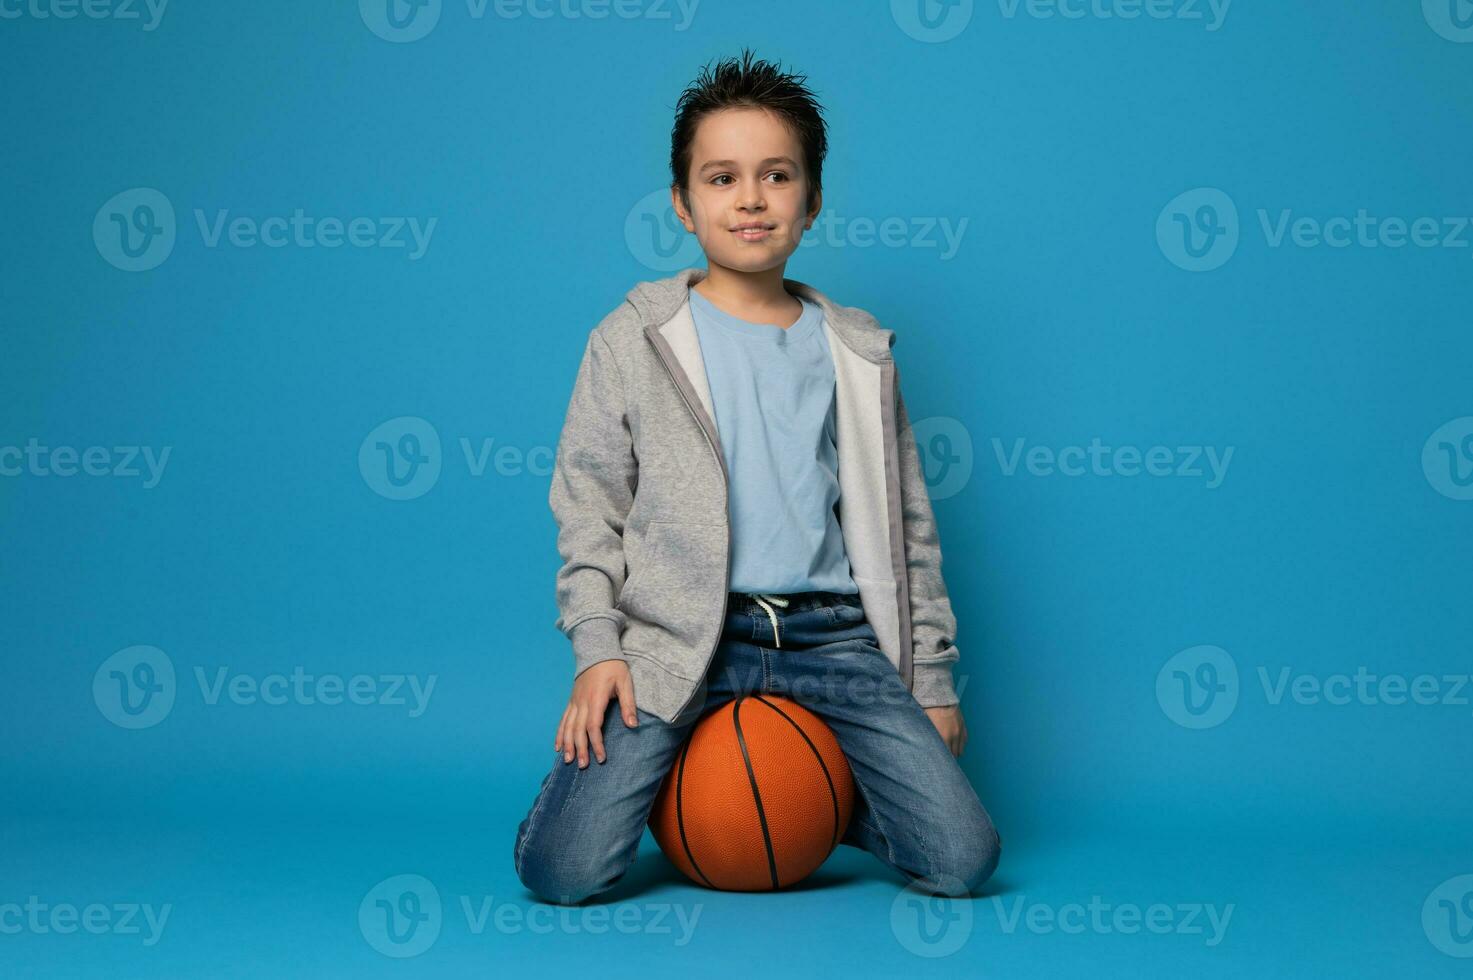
(720,177)
(782,176)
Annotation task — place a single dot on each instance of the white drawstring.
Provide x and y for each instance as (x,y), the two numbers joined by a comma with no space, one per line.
(762,601)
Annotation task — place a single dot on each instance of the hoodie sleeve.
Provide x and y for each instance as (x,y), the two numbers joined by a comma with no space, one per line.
(593,481)
(933,626)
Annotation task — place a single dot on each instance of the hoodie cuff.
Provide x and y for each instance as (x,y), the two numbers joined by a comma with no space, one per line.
(595,640)
(932,685)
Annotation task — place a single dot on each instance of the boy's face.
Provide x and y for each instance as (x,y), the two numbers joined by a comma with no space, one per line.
(746,169)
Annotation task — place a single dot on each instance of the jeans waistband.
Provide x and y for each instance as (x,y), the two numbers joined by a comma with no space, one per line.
(796,601)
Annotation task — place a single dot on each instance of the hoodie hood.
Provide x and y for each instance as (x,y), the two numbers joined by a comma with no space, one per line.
(658,300)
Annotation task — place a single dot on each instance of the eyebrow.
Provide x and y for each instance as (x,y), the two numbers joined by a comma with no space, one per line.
(732,164)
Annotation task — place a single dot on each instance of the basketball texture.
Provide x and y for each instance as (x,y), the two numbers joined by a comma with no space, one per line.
(757,799)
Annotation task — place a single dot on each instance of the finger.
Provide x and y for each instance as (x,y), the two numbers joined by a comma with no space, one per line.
(596,732)
(567,736)
(570,734)
(557,740)
(625,689)
(580,732)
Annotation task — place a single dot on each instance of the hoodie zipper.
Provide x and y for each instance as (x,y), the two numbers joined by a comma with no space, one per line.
(891,451)
(726,483)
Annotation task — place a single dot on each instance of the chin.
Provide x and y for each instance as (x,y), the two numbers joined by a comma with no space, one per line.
(754,258)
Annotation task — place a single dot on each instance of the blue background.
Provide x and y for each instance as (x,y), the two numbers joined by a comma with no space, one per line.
(1060,319)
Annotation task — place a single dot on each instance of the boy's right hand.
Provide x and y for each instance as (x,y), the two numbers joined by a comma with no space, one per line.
(583,721)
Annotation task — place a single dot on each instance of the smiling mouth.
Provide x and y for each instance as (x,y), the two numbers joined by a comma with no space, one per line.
(752,234)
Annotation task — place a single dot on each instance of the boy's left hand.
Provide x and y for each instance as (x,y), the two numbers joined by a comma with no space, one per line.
(948,721)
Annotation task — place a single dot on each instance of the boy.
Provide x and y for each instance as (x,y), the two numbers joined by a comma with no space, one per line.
(714,546)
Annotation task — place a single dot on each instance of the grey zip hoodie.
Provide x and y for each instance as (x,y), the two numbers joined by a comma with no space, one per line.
(639,493)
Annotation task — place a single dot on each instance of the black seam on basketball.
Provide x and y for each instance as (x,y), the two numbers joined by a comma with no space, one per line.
(821,764)
(736,722)
(680,815)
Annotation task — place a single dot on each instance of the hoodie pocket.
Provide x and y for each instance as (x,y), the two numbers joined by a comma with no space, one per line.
(673,593)
(882,609)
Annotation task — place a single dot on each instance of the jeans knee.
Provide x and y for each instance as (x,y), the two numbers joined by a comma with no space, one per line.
(557,883)
(965,864)
(569,877)
(984,862)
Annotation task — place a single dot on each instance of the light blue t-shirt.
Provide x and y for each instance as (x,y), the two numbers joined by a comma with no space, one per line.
(773,393)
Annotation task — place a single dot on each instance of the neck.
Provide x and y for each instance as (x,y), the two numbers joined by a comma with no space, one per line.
(745,290)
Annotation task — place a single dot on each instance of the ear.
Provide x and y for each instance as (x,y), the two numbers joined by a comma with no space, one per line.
(680,209)
(813,212)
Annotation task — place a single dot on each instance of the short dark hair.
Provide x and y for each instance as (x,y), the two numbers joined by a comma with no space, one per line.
(749,83)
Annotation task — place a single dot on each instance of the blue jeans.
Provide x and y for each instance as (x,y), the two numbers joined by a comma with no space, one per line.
(914,809)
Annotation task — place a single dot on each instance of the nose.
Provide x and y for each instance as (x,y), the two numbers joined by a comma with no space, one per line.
(751,198)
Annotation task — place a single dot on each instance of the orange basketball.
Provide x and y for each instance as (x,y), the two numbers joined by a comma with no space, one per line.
(757,799)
